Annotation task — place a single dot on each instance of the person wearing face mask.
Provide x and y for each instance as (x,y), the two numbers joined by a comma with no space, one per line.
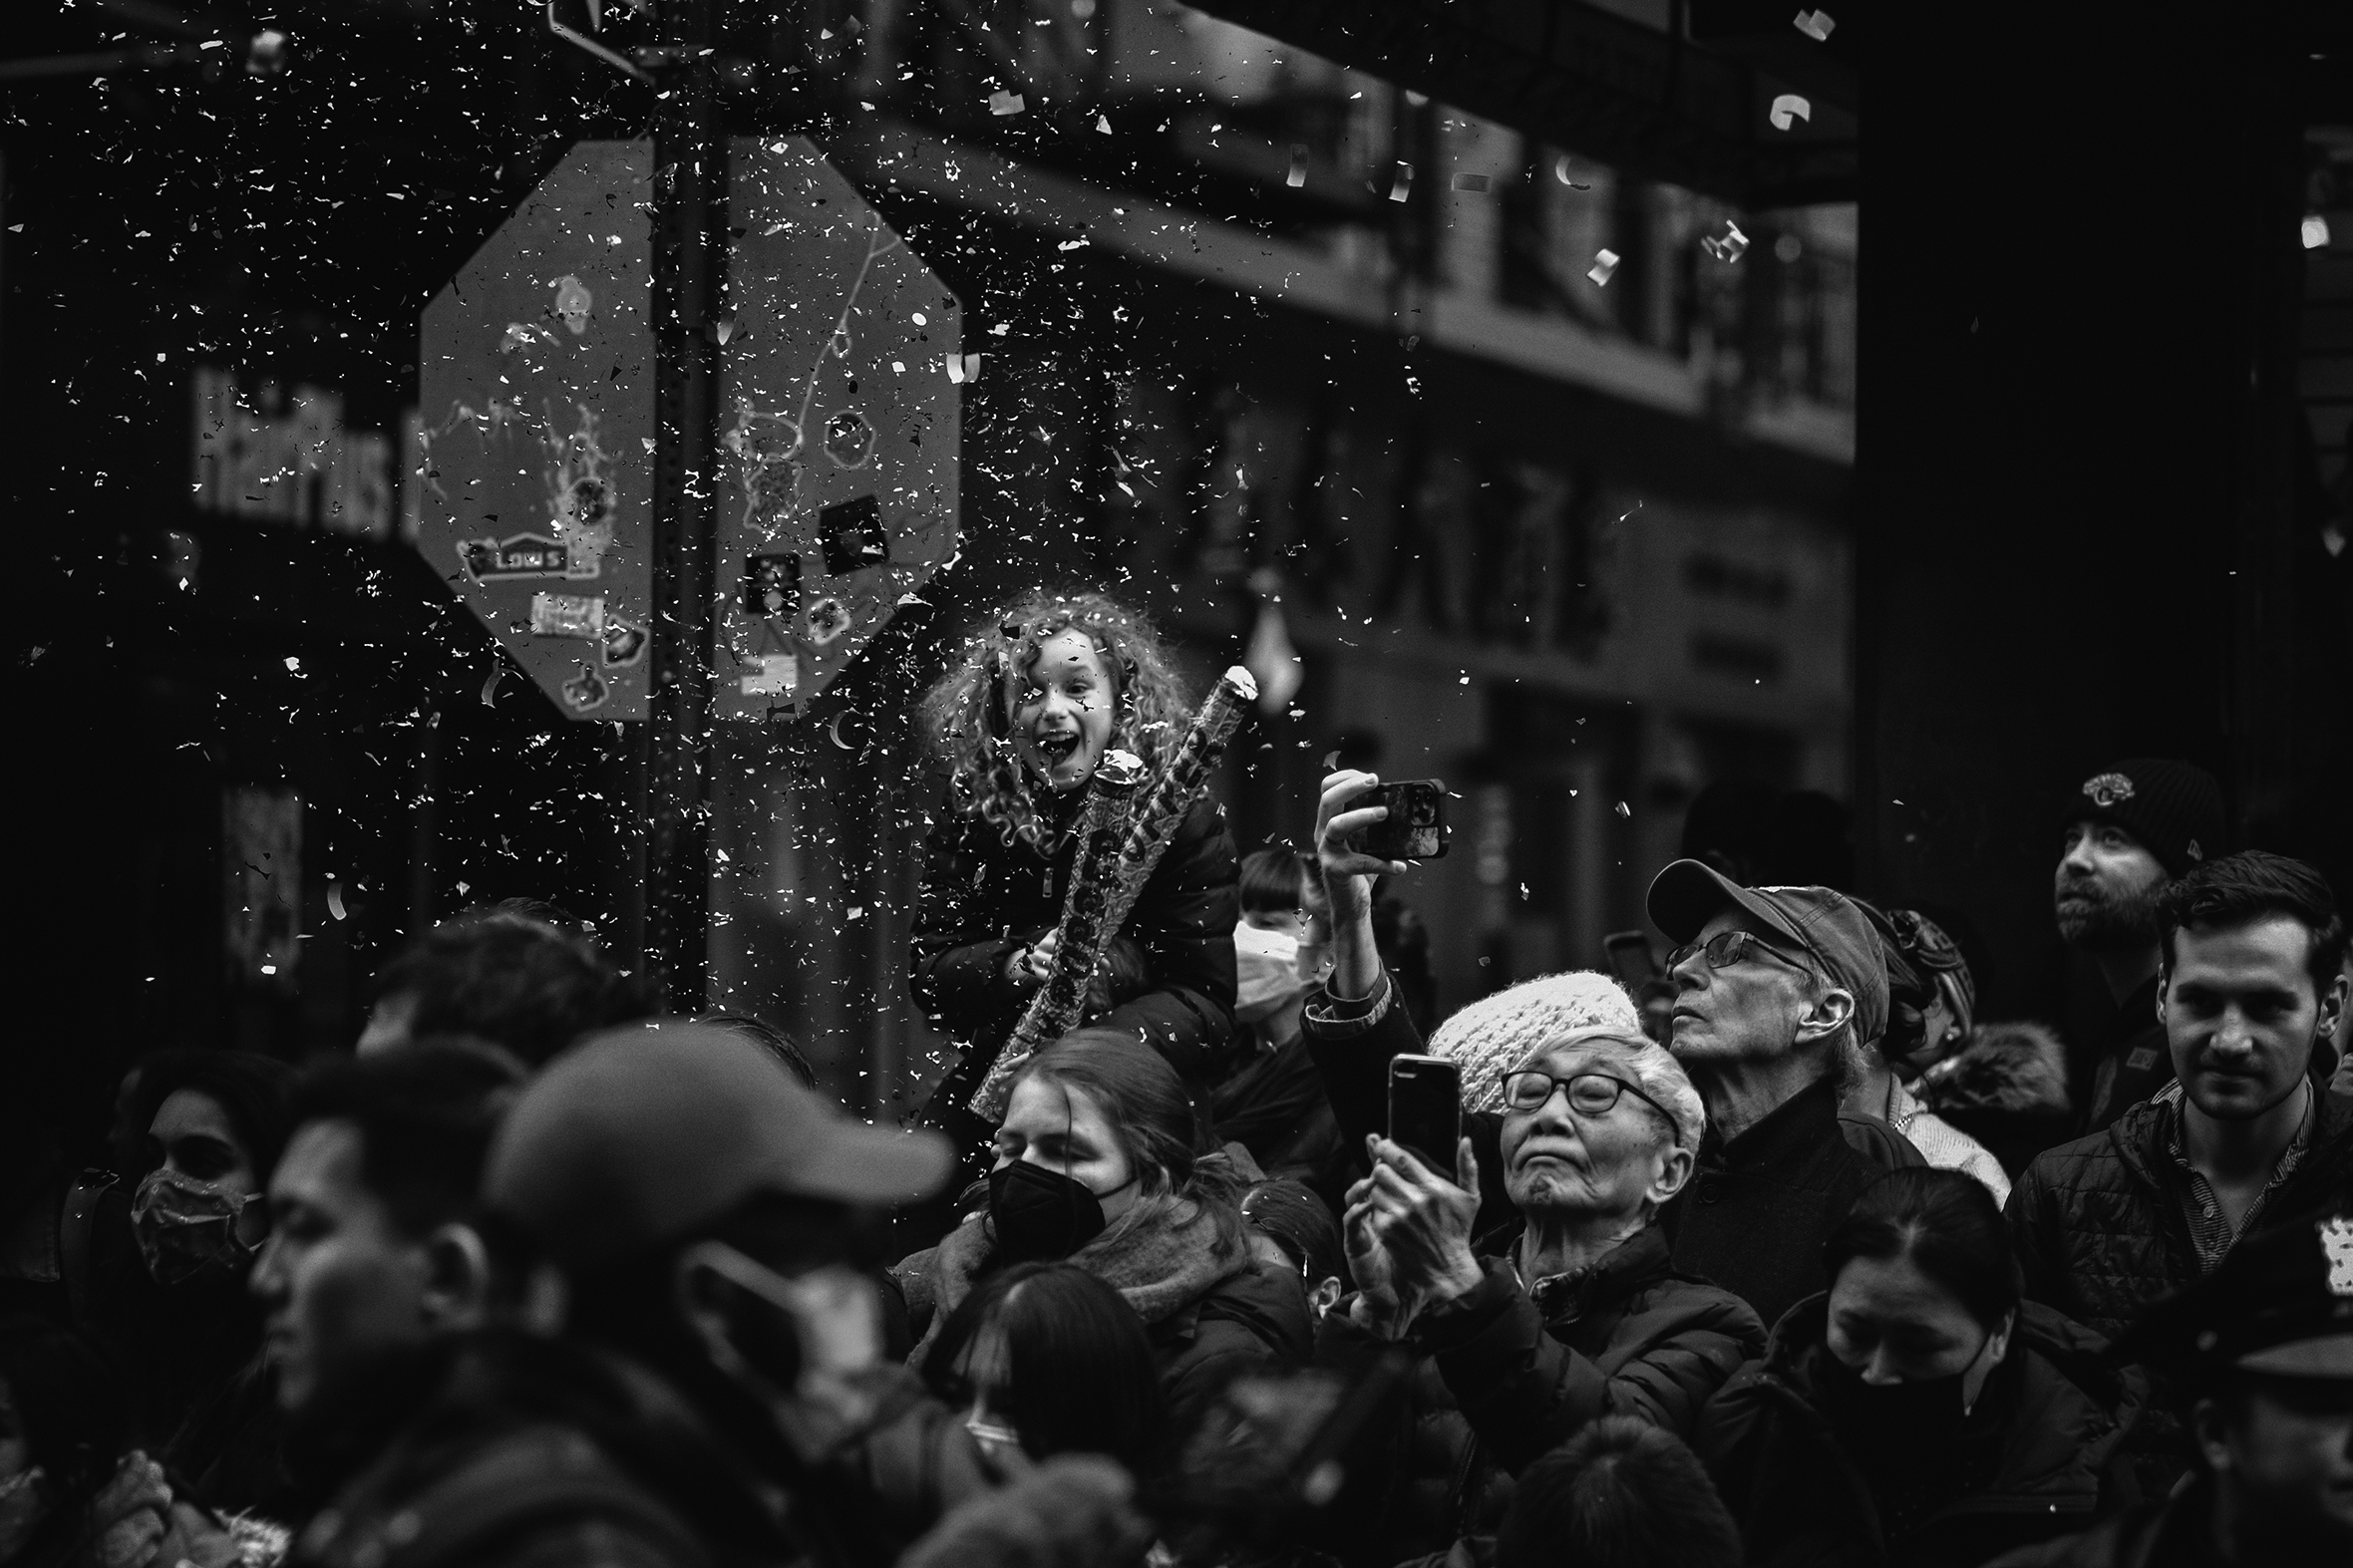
(1274,1103)
(1919,1414)
(695,1233)
(157,1261)
(1042,693)
(1095,1163)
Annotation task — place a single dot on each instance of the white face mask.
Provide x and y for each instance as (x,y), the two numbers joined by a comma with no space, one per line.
(1266,971)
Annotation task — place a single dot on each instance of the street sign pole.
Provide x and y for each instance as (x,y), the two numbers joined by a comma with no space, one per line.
(689,269)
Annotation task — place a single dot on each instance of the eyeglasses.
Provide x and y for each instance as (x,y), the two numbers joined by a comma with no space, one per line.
(1727,948)
(1589,1094)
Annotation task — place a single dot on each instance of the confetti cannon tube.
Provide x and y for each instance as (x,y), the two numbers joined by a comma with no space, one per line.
(1103,893)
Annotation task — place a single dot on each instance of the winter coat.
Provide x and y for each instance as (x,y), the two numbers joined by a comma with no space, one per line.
(1756,1211)
(2124,1061)
(2007,1089)
(1208,1310)
(2049,1431)
(1504,1378)
(2174,1533)
(504,1452)
(1943,1145)
(1758,1207)
(2101,1231)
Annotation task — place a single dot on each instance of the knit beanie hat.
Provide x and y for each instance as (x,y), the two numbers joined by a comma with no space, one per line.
(1495,1034)
(2174,809)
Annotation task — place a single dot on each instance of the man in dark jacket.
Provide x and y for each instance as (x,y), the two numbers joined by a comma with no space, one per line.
(2106,1225)
(1776,988)
(2263,1352)
(420,1444)
(2130,830)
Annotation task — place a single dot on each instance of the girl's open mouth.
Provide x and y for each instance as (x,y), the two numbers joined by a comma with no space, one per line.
(1056,749)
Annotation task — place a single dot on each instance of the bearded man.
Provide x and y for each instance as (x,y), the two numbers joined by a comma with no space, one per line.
(2134,827)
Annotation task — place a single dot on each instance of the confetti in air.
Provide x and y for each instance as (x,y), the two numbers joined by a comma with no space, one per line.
(1816,25)
(2315,231)
(1403,185)
(1789,107)
(1001,102)
(1298,174)
(1604,263)
(1729,246)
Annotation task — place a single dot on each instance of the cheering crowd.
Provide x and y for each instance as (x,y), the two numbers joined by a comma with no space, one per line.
(1789,1258)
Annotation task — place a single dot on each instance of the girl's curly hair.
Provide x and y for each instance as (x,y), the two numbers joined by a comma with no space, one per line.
(987,779)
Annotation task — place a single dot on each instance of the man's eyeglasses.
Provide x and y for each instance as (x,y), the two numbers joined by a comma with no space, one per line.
(1727,948)
(1589,1094)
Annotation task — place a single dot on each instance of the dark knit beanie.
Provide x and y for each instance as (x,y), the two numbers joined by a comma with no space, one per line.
(2174,809)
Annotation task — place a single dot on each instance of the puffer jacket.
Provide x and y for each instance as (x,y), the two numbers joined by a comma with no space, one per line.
(1505,1377)
(2055,1415)
(2101,1232)
(1171,969)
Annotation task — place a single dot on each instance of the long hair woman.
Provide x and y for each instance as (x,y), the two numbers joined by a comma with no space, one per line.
(1095,1164)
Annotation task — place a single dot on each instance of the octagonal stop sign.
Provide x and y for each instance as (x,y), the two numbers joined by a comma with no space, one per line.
(838,428)
(536,402)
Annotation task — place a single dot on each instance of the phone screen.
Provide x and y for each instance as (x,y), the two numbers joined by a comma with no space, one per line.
(1415,828)
(1426,1109)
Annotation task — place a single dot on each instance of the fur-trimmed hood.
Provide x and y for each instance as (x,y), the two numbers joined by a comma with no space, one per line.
(2019,1068)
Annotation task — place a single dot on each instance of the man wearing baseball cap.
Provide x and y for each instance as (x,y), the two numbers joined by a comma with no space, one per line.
(2261,1353)
(673,1199)
(2131,828)
(1775,988)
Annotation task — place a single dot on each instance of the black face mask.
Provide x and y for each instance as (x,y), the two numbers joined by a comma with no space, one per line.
(1874,1418)
(1040,1215)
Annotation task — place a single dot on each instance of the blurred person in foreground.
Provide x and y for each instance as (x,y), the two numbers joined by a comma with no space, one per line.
(1622,1494)
(1919,1414)
(519,976)
(1095,1164)
(2253,978)
(673,1207)
(74,1491)
(2262,1352)
(1271,1104)
(1565,1307)
(1777,992)
(2132,829)
(1922,1025)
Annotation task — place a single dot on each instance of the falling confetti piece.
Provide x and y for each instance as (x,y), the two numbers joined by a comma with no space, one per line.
(1103,123)
(2315,231)
(1816,25)
(1403,185)
(1730,246)
(1001,102)
(1625,811)
(1298,174)
(1604,263)
(724,328)
(1331,760)
(1560,173)
(1789,107)
(335,900)
(490,689)
(295,665)
(1471,181)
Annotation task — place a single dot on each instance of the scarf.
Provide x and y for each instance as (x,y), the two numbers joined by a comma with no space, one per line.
(1162,1255)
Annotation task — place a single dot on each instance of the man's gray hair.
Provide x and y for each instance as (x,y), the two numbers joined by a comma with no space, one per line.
(1654,1070)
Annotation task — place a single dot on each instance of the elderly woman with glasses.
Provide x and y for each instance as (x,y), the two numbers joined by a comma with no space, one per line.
(1557,1306)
